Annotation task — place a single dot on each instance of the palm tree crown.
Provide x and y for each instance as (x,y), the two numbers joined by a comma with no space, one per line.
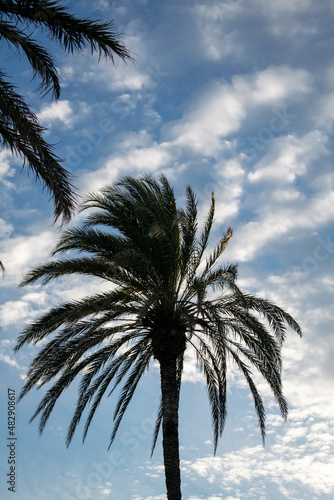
(19,127)
(159,304)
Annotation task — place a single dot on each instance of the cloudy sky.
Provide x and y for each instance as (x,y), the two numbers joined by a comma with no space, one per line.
(235,97)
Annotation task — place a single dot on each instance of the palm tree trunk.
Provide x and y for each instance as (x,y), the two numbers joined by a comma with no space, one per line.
(170,427)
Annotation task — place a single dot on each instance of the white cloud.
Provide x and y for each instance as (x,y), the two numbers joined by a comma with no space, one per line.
(224,26)
(191,372)
(289,157)
(21,253)
(15,313)
(8,360)
(131,160)
(19,312)
(123,77)
(274,222)
(57,111)
(227,185)
(294,459)
(38,300)
(6,169)
(210,498)
(308,375)
(323,111)
(127,77)
(158,497)
(221,109)
(148,159)
(218,37)
(217,114)
(5,229)
(272,85)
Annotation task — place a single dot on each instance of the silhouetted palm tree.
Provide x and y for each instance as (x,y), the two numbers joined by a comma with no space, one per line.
(166,295)
(19,127)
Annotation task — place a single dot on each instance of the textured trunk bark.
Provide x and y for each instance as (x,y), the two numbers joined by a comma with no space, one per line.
(170,427)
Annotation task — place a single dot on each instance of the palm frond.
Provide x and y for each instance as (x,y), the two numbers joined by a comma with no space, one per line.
(111,305)
(72,33)
(19,127)
(258,403)
(91,386)
(211,261)
(189,226)
(40,60)
(92,241)
(157,426)
(21,133)
(204,237)
(214,369)
(275,315)
(129,388)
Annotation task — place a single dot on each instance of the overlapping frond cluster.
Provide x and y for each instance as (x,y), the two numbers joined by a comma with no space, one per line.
(150,251)
(19,127)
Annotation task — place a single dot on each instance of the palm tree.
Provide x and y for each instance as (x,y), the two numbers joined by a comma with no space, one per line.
(19,127)
(164,298)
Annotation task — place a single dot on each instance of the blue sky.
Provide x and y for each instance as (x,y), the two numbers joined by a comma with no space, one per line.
(231,96)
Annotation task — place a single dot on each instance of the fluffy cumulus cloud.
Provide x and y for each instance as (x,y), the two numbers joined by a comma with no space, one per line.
(60,111)
(23,252)
(133,160)
(16,312)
